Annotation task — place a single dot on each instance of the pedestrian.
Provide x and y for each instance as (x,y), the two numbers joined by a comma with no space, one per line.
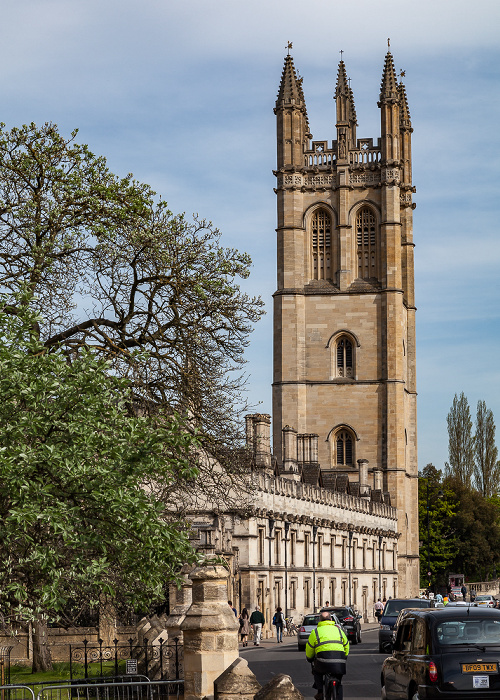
(472,595)
(327,604)
(446,600)
(463,591)
(439,598)
(379,606)
(244,630)
(279,623)
(230,603)
(257,621)
(384,600)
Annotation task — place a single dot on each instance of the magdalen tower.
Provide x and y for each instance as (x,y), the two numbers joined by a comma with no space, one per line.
(344,309)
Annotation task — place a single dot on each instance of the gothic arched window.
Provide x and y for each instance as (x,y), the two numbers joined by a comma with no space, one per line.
(343,448)
(366,230)
(344,357)
(321,243)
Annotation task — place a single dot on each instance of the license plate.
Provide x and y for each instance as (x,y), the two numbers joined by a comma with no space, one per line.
(480,668)
(480,681)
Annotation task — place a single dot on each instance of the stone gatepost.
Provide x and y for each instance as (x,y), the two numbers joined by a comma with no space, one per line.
(183,600)
(210,632)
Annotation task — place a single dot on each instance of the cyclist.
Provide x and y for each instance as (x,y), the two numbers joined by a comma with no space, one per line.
(327,650)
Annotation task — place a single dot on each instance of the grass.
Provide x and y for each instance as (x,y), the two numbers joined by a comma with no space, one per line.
(22,675)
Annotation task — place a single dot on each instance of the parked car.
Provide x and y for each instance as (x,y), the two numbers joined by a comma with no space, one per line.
(308,624)
(487,600)
(350,620)
(389,615)
(450,652)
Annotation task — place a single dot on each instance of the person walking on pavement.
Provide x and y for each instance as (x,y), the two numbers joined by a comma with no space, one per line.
(244,626)
(257,620)
(279,623)
(379,606)
(327,650)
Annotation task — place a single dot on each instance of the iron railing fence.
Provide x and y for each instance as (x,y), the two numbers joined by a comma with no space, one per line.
(164,660)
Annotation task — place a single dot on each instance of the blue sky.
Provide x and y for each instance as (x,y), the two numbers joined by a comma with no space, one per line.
(181,93)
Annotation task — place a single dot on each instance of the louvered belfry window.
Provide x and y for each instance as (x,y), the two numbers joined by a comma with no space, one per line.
(367,248)
(321,244)
(343,448)
(344,358)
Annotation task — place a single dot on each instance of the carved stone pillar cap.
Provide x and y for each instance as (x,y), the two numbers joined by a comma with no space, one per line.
(208,573)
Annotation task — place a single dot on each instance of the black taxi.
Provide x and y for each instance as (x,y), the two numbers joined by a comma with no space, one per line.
(444,653)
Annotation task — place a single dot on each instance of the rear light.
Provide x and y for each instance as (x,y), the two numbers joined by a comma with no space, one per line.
(302,629)
(348,619)
(433,672)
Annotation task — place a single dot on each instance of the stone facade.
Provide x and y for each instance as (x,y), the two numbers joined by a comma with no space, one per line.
(297,543)
(331,513)
(344,309)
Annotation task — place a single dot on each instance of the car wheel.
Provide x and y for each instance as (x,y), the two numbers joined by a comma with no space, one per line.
(381,649)
(300,647)
(414,694)
(354,640)
(359,637)
(383,694)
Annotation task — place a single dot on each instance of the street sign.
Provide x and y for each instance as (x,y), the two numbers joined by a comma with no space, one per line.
(131,667)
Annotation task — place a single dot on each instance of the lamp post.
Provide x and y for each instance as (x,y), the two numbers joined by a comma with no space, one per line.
(440,494)
(350,585)
(380,538)
(315,532)
(287,528)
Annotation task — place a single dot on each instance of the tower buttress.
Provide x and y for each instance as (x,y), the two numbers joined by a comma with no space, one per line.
(389,106)
(292,124)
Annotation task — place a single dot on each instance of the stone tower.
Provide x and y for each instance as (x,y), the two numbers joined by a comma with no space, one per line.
(344,309)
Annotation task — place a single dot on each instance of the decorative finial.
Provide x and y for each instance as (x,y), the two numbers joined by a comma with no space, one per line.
(349,81)
(341,54)
(389,43)
(289,46)
(402,73)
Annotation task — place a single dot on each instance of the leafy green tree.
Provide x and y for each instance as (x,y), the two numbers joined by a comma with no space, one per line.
(79,514)
(150,281)
(436,509)
(476,530)
(460,441)
(486,465)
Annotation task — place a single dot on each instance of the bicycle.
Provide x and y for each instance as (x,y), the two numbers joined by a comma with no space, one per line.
(291,627)
(330,686)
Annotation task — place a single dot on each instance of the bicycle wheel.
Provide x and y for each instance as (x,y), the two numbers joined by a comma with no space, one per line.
(329,687)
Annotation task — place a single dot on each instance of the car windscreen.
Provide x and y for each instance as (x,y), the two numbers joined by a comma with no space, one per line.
(468,630)
(393,607)
(483,597)
(342,612)
(310,620)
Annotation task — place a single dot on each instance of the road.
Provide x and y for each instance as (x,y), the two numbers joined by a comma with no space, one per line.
(362,680)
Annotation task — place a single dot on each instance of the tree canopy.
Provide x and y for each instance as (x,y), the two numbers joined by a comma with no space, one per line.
(111,268)
(79,517)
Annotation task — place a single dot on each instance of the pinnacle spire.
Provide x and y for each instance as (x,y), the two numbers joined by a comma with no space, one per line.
(290,86)
(352,112)
(404,115)
(342,88)
(389,86)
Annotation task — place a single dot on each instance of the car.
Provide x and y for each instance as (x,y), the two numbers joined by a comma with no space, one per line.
(445,653)
(487,600)
(350,621)
(308,624)
(389,616)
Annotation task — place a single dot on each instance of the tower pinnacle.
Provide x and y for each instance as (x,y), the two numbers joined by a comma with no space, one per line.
(290,90)
(389,86)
